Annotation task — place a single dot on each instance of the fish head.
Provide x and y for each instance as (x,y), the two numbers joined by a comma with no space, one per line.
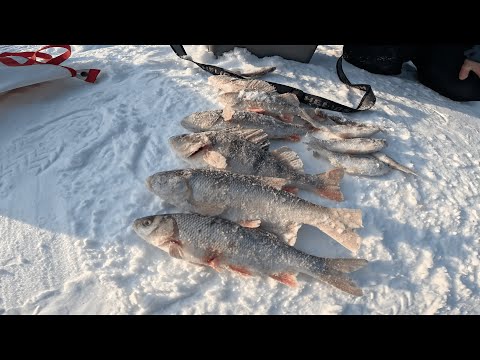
(202,121)
(157,230)
(188,145)
(172,186)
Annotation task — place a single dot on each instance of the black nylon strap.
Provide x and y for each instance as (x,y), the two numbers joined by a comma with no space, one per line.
(367,101)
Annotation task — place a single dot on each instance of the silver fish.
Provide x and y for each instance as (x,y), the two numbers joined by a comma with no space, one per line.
(213,120)
(284,106)
(229,84)
(355,165)
(252,74)
(356,146)
(243,152)
(392,163)
(337,125)
(249,201)
(222,244)
(346,131)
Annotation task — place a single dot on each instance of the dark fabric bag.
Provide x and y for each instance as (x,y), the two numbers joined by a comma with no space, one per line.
(377,59)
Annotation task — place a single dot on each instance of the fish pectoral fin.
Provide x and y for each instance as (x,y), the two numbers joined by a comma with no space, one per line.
(215,159)
(329,184)
(250,223)
(285,278)
(277,183)
(289,158)
(256,110)
(291,189)
(175,249)
(290,98)
(288,233)
(213,260)
(240,269)
(294,138)
(227,113)
(288,118)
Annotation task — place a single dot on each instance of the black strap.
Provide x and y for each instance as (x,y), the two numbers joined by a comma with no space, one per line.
(367,101)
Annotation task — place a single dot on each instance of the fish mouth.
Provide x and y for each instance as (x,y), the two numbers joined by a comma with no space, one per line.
(188,145)
(197,152)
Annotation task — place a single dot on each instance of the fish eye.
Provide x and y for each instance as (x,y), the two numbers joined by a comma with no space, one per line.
(147,222)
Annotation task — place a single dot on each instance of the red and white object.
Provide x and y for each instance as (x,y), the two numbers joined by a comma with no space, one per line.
(18,69)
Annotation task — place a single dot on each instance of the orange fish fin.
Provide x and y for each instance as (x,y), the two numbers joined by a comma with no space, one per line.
(241,270)
(250,223)
(175,249)
(285,278)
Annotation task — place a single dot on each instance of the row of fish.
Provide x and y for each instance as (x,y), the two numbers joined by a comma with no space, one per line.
(243,212)
(342,142)
(241,223)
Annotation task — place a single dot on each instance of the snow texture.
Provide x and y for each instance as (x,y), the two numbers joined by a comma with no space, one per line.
(74,158)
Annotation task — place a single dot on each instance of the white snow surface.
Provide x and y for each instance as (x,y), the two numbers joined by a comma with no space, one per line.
(74,158)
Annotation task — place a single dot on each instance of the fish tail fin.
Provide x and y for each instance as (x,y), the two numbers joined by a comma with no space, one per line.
(339,224)
(332,271)
(327,184)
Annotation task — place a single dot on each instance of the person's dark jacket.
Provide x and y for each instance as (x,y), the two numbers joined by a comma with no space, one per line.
(473,53)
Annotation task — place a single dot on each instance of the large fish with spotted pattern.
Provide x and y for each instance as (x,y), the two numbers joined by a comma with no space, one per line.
(222,244)
(253,201)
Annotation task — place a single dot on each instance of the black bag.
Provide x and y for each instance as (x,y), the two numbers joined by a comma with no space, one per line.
(377,59)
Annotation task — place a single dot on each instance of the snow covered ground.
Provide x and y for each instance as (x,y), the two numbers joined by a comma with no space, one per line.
(74,157)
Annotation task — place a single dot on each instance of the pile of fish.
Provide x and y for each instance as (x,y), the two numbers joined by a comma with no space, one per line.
(239,202)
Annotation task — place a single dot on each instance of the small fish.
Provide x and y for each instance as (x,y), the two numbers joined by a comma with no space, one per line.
(357,146)
(222,244)
(337,125)
(213,120)
(248,200)
(252,74)
(354,165)
(392,163)
(282,106)
(244,152)
(346,131)
(375,164)
(229,84)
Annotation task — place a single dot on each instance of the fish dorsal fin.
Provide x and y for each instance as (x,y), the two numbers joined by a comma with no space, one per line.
(259,85)
(256,136)
(175,250)
(227,113)
(215,159)
(290,98)
(289,157)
